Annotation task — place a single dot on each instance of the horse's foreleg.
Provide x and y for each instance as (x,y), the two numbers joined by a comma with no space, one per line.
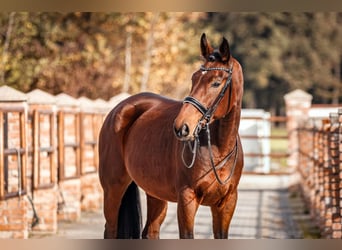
(222,215)
(186,211)
(156,212)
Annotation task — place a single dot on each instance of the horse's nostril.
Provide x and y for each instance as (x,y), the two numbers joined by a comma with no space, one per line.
(182,131)
(185,130)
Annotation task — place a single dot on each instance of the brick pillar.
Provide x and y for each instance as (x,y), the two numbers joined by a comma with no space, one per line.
(69,183)
(326,199)
(297,104)
(318,177)
(91,190)
(340,164)
(43,160)
(14,217)
(334,174)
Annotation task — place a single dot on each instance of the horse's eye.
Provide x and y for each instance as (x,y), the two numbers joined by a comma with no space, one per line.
(215,84)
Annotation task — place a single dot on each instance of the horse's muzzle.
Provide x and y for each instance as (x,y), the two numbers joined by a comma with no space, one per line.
(182,133)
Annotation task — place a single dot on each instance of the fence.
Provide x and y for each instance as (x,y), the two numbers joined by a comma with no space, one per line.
(315,152)
(264,140)
(48,158)
(320,167)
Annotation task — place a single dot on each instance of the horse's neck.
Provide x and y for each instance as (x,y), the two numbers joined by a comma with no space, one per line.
(227,128)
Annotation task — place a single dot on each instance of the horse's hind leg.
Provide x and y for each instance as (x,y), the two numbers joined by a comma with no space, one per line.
(222,215)
(111,205)
(114,180)
(156,212)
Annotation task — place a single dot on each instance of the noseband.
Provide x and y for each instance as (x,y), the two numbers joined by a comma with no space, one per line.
(207,113)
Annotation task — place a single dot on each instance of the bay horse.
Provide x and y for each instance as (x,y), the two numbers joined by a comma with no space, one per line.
(187,152)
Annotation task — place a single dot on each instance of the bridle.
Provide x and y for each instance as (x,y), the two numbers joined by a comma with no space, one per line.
(207,114)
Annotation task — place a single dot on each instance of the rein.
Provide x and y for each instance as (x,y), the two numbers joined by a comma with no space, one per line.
(207,113)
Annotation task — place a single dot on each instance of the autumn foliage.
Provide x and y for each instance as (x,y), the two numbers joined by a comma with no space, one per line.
(102,54)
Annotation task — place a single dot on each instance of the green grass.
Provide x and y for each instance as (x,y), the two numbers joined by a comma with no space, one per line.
(279,146)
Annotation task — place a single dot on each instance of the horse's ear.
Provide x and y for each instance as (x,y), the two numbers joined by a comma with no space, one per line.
(206,49)
(224,50)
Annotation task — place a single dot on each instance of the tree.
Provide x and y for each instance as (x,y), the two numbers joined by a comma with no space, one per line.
(96,54)
(102,54)
(283,51)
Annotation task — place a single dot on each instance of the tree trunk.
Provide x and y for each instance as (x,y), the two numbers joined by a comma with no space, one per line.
(338,76)
(128,63)
(6,47)
(148,60)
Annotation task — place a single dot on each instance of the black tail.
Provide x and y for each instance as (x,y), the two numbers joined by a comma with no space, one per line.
(129,221)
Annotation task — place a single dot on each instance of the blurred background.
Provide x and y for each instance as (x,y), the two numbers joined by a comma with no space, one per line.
(99,55)
(61,73)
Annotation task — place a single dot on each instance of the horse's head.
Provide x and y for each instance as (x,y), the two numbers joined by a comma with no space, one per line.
(212,95)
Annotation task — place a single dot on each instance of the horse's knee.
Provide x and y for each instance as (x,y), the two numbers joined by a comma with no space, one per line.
(222,216)
(186,211)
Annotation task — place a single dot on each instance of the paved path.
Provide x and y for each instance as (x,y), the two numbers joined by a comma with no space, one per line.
(263,211)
